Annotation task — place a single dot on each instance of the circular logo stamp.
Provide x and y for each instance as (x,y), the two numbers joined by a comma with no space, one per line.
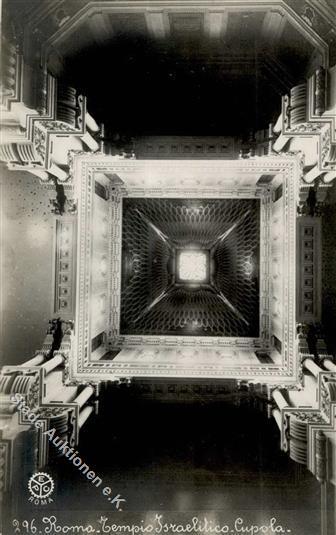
(40,485)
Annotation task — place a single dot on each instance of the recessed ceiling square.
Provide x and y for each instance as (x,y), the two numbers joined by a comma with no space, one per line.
(184,267)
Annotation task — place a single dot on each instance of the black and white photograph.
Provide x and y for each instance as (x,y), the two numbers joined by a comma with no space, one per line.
(168,267)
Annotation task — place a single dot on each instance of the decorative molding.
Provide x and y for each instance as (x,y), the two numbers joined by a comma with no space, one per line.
(184,147)
(304,431)
(110,7)
(65,267)
(84,168)
(301,129)
(309,269)
(327,152)
(6,462)
(27,381)
(12,84)
(61,114)
(148,341)
(317,119)
(30,382)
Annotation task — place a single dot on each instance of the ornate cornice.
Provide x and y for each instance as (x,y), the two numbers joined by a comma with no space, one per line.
(76,19)
(305,432)
(132,172)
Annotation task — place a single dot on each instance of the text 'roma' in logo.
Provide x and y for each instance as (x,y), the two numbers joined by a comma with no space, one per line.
(40,486)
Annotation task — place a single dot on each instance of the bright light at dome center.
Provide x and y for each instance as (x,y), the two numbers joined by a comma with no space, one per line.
(192,266)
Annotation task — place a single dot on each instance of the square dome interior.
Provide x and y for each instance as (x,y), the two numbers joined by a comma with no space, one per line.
(190,267)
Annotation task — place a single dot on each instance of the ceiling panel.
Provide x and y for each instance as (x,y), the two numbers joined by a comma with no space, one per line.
(244,28)
(185,24)
(128,23)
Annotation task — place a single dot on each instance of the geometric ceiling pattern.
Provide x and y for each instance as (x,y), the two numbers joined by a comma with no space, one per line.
(220,239)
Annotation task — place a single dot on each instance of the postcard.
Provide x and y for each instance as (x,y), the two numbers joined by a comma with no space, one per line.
(168,267)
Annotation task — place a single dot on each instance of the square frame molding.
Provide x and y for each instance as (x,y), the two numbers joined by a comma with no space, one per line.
(213,179)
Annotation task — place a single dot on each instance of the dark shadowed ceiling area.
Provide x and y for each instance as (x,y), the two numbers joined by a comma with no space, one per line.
(151,68)
(137,90)
(188,84)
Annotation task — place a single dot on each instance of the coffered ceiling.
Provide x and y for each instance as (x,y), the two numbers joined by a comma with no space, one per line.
(216,292)
(180,67)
